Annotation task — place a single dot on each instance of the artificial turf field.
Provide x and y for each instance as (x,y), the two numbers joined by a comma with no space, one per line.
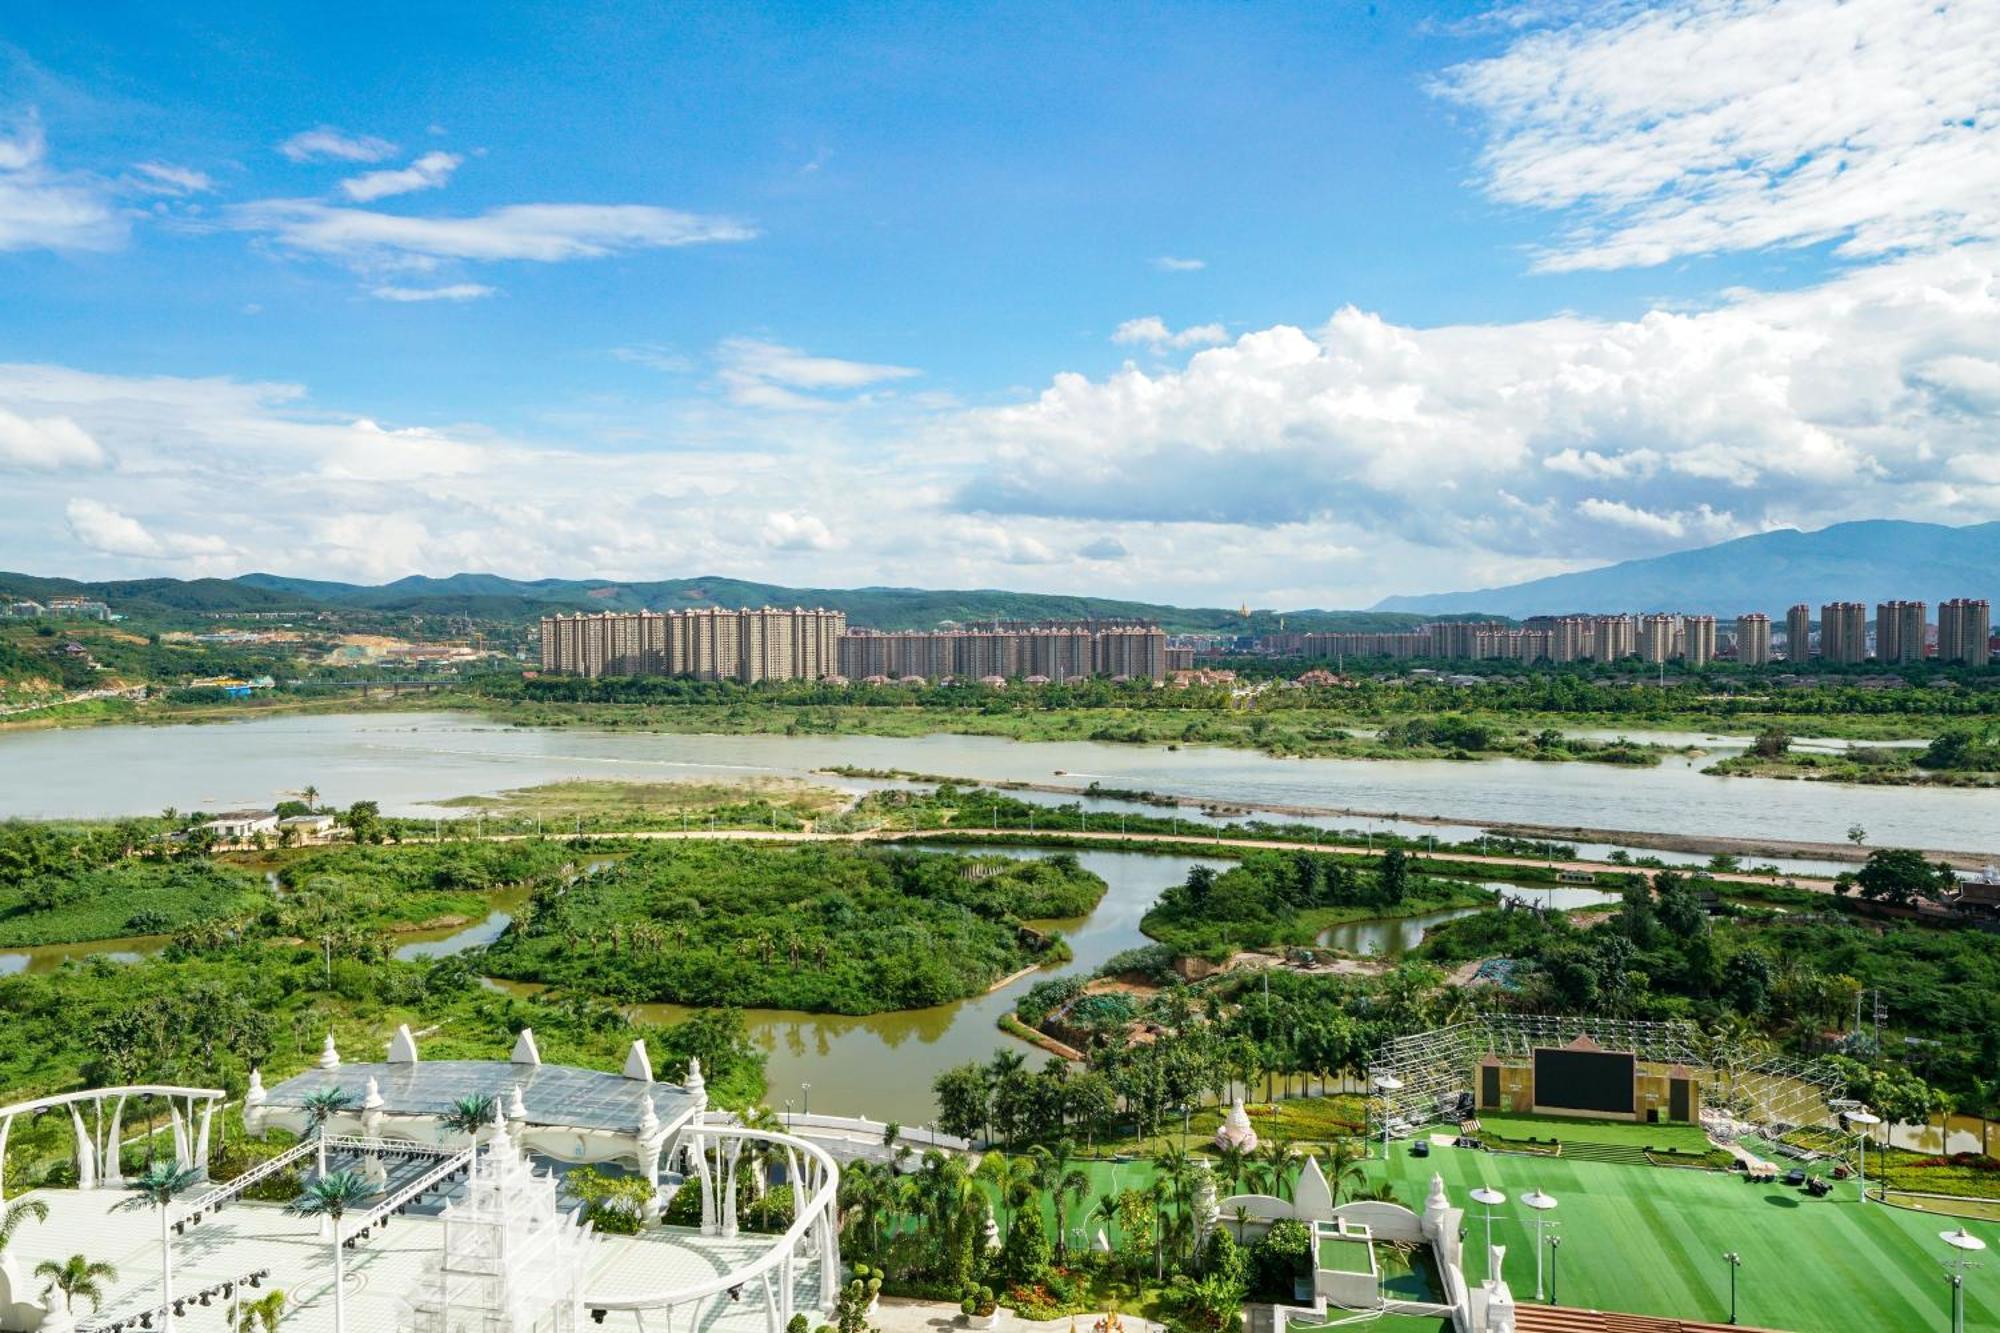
(1649,1240)
(1618,1133)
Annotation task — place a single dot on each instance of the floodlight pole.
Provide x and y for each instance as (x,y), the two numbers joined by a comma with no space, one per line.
(1735,1261)
(1555,1245)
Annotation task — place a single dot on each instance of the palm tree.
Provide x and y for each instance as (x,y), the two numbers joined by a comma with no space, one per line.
(319,1107)
(18,1212)
(76,1276)
(1012,1178)
(1105,1213)
(330,1197)
(156,1187)
(261,1315)
(1344,1169)
(1278,1157)
(311,796)
(1232,1163)
(468,1115)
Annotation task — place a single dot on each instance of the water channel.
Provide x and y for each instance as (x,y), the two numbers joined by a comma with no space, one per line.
(406,761)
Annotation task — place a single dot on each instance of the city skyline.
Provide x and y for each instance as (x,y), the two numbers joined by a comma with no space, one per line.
(481,297)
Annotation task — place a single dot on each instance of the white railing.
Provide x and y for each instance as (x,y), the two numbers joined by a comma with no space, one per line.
(229,1189)
(458,1161)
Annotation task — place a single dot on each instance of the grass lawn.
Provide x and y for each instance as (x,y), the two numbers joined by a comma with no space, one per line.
(1345,1256)
(1618,1133)
(1304,1120)
(1651,1242)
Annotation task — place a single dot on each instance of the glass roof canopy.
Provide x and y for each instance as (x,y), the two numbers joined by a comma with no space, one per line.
(555,1095)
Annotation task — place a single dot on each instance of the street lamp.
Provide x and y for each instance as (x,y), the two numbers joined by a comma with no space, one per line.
(788,1113)
(807,1089)
(1384,1085)
(1965,1243)
(1488,1197)
(1735,1261)
(1541,1202)
(1555,1244)
(1863,1119)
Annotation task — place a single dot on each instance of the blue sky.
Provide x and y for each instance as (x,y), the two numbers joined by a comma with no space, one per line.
(1300,305)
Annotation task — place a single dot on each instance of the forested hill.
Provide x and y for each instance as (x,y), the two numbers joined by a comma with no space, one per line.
(491,597)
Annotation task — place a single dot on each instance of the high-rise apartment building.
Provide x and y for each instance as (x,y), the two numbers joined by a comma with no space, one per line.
(1798,633)
(1614,638)
(1659,637)
(1753,639)
(1965,631)
(1843,632)
(1060,651)
(708,644)
(1571,639)
(1698,640)
(1901,631)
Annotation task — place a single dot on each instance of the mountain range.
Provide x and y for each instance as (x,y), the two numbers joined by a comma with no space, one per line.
(494,598)
(1869,561)
(1875,560)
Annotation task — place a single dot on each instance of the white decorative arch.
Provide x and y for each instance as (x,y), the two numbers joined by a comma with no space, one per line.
(189,1111)
(712,1149)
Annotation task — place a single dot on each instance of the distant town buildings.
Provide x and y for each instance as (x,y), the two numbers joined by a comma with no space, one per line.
(1901,634)
(1056,651)
(707,644)
(773,644)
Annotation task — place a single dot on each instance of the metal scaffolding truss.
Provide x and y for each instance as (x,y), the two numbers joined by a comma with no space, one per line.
(1422,1077)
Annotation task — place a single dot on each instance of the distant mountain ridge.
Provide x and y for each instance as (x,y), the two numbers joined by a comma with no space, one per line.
(492,597)
(1873,560)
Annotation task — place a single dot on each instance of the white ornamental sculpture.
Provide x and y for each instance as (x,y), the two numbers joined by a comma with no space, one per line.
(1236,1131)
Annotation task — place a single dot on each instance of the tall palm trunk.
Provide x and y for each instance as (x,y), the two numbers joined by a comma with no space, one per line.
(339,1296)
(166,1271)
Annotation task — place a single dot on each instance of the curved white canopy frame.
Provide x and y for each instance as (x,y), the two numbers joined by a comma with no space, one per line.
(189,1111)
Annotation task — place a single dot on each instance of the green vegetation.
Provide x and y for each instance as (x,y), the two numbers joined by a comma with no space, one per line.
(831,928)
(1957,756)
(61,884)
(1290,898)
(608,806)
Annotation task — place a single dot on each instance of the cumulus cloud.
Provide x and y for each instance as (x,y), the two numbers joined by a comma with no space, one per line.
(46,444)
(1104,548)
(44,209)
(1840,400)
(542,233)
(429,172)
(1152,331)
(101,528)
(327,144)
(456,291)
(797,532)
(1173,264)
(1705,126)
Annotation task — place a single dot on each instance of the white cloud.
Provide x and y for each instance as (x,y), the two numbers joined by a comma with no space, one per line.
(101,528)
(327,144)
(1844,400)
(429,172)
(166,178)
(457,291)
(1705,126)
(544,233)
(757,373)
(1171,264)
(1152,331)
(797,532)
(46,444)
(42,209)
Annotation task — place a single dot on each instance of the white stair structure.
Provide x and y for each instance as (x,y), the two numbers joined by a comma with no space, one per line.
(510,1260)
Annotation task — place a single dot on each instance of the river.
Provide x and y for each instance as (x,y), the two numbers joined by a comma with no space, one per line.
(406,761)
